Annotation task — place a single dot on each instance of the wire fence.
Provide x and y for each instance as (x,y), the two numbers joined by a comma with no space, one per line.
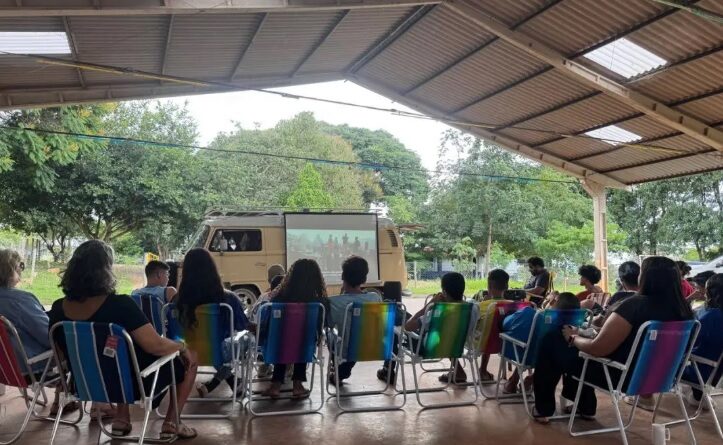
(42,271)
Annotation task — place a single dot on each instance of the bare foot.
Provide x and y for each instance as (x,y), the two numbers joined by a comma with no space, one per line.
(273,391)
(299,392)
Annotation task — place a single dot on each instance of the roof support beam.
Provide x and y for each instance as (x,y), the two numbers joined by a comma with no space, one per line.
(340,18)
(262,19)
(49,8)
(426,80)
(169,35)
(700,12)
(390,38)
(489,95)
(638,101)
(505,142)
(675,64)
(73,49)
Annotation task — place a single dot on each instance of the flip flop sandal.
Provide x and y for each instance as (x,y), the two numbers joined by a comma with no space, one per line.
(105,414)
(568,410)
(301,395)
(121,428)
(544,420)
(486,377)
(444,378)
(181,433)
(70,407)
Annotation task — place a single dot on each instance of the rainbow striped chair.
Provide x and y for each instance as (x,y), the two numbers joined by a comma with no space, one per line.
(654,366)
(523,354)
(368,334)
(152,307)
(100,362)
(487,332)
(14,367)
(214,324)
(447,332)
(705,386)
(286,333)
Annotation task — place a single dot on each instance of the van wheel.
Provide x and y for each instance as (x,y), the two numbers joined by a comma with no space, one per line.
(247,294)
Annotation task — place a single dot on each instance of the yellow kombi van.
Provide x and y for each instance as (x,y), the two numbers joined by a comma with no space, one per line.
(245,244)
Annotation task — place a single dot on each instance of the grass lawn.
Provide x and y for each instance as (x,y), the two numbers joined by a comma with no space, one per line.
(427,287)
(45,282)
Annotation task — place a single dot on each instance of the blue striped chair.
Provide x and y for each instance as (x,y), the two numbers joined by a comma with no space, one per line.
(102,366)
(152,307)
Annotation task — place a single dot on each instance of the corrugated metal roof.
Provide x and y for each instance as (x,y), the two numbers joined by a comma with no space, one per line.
(433,58)
(460,38)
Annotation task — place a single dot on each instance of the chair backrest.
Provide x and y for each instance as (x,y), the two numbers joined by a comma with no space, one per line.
(214,323)
(659,352)
(289,332)
(546,321)
(368,332)
(446,329)
(152,307)
(600,298)
(10,372)
(101,360)
(490,324)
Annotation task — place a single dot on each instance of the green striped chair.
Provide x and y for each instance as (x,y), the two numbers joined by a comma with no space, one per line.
(446,333)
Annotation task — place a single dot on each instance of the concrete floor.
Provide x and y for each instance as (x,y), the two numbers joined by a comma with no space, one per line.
(486,422)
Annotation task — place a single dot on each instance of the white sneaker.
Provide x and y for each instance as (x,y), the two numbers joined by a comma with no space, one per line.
(690,399)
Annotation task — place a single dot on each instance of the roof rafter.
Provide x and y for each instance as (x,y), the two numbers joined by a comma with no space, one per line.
(481,47)
(676,64)
(402,26)
(658,161)
(505,142)
(576,71)
(169,35)
(548,110)
(334,26)
(259,25)
(73,49)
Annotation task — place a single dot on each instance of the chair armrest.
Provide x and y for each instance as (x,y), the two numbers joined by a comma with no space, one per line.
(155,366)
(603,360)
(512,340)
(703,360)
(41,357)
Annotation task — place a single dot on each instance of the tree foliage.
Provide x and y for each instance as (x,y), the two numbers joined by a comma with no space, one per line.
(309,192)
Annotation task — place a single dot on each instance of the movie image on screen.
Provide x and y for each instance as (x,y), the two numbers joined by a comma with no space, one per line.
(330,239)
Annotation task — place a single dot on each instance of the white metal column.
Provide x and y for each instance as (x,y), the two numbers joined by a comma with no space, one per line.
(599,209)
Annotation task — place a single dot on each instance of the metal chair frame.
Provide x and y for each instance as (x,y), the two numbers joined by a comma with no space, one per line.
(339,358)
(145,400)
(617,393)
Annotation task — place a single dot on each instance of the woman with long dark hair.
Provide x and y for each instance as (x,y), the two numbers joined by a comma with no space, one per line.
(88,284)
(201,284)
(659,298)
(304,283)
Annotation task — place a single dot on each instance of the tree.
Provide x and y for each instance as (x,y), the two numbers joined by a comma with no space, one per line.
(309,192)
(380,147)
(35,155)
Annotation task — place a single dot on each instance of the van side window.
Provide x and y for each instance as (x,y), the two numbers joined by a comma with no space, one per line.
(236,240)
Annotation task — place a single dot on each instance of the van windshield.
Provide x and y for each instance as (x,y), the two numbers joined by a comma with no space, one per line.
(199,238)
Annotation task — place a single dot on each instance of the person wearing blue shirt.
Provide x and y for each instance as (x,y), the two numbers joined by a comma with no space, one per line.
(709,343)
(354,273)
(157,275)
(22,309)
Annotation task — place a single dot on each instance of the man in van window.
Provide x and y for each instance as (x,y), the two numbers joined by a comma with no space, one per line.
(354,271)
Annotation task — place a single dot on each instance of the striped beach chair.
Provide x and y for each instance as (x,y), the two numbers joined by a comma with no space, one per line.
(487,333)
(100,362)
(523,354)
(152,307)
(446,332)
(368,334)
(707,386)
(214,328)
(15,367)
(286,333)
(654,366)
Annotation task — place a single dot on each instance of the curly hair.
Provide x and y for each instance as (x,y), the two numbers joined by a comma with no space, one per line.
(89,272)
(304,283)
(9,262)
(590,272)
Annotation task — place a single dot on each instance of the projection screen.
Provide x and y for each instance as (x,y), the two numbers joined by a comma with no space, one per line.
(331,238)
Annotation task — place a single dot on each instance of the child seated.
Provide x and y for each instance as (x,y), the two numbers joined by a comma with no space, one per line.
(518,326)
(497,284)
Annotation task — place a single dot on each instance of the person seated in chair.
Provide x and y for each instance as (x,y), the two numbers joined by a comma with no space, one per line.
(518,326)
(354,271)
(157,275)
(539,283)
(628,274)
(589,278)
(709,343)
(452,291)
(497,284)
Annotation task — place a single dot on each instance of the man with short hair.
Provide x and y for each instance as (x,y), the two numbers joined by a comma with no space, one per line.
(628,274)
(539,282)
(354,271)
(157,273)
(497,284)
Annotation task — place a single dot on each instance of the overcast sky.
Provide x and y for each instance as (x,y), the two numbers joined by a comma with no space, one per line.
(217,112)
